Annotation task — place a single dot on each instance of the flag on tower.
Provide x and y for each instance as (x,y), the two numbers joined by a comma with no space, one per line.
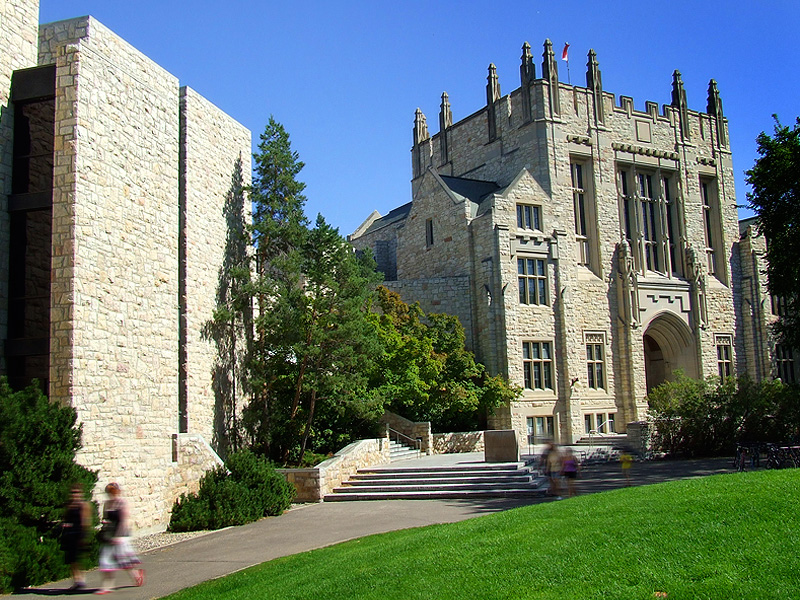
(565,53)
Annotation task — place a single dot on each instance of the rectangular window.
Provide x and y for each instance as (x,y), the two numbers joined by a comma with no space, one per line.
(537,365)
(711,226)
(724,356)
(532,274)
(545,428)
(780,306)
(594,362)
(429,232)
(610,423)
(529,216)
(784,361)
(588,423)
(600,419)
(583,214)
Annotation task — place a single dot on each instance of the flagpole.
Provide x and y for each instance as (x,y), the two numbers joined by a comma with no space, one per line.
(565,56)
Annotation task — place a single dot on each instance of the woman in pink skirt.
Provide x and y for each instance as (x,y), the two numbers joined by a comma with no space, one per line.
(116,551)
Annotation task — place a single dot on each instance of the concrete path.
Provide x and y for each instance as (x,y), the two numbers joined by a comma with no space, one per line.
(313,526)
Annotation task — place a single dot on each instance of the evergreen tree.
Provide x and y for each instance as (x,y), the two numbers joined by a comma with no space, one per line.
(775,180)
(312,338)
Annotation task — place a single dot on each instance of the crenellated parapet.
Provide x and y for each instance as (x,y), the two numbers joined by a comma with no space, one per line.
(582,111)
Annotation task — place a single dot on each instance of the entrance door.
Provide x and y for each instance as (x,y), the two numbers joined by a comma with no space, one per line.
(669,346)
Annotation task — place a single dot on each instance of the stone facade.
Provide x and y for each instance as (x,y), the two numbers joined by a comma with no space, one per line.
(598,244)
(759,311)
(145,177)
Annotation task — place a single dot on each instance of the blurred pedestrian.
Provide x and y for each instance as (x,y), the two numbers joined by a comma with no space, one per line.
(116,552)
(626,460)
(77,520)
(569,469)
(553,469)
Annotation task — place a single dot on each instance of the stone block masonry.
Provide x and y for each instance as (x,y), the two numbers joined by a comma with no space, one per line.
(215,166)
(114,331)
(144,178)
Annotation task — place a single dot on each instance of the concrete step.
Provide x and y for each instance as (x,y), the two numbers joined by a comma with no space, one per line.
(493,480)
(438,494)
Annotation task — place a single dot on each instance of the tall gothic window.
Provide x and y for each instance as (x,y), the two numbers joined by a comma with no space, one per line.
(712,227)
(650,215)
(584,215)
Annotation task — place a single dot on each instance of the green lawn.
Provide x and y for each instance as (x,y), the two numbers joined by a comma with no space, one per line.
(731,536)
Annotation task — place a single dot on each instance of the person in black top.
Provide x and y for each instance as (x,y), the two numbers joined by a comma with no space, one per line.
(77,518)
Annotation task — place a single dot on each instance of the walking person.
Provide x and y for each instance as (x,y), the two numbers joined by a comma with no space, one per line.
(77,520)
(569,470)
(626,460)
(116,552)
(553,470)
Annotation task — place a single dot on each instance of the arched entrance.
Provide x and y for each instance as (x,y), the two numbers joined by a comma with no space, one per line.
(668,347)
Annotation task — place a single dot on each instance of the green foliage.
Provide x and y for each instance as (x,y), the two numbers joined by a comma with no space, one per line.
(247,490)
(709,417)
(426,374)
(27,557)
(38,443)
(775,181)
(726,536)
(311,340)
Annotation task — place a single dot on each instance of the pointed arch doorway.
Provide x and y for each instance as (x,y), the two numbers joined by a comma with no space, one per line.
(669,346)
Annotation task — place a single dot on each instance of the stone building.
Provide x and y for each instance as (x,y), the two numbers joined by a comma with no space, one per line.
(764,357)
(589,248)
(118,188)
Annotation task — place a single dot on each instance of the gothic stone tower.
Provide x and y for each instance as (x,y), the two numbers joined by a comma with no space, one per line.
(587,246)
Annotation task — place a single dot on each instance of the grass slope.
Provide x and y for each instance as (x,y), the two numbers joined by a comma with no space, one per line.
(728,536)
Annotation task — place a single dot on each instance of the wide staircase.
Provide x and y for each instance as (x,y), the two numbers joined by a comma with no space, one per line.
(416,482)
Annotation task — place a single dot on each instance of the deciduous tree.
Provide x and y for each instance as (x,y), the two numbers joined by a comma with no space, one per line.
(775,181)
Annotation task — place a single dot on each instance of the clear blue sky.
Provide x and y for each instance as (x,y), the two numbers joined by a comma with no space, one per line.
(345,78)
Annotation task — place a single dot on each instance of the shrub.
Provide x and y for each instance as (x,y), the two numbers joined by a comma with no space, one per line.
(708,417)
(247,489)
(38,443)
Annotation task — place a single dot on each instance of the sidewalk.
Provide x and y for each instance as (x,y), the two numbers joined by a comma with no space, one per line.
(313,526)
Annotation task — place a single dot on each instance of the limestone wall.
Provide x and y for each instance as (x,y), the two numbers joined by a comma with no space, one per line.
(215,156)
(114,330)
(454,443)
(19,36)
(449,295)
(314,483)
(194,458)
(411,430)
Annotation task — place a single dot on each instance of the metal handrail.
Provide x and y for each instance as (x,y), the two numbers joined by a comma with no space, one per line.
(416,442)
(596,431)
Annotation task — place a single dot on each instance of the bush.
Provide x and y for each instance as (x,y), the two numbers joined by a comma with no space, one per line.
(247,490)
(708,417)
(38,443)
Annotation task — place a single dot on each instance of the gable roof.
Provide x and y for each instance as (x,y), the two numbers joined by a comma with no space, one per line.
(470,189)
(394,216)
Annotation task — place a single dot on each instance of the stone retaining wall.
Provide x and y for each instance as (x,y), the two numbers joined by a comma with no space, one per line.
(314,483)
(453,443)
(416,431)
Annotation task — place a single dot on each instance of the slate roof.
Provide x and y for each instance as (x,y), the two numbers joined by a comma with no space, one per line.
(394,215)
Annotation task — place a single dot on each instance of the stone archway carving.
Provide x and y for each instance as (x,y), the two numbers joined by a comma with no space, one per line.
(669,346)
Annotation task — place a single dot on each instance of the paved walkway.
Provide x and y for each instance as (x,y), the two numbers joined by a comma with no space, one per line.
(316,525)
